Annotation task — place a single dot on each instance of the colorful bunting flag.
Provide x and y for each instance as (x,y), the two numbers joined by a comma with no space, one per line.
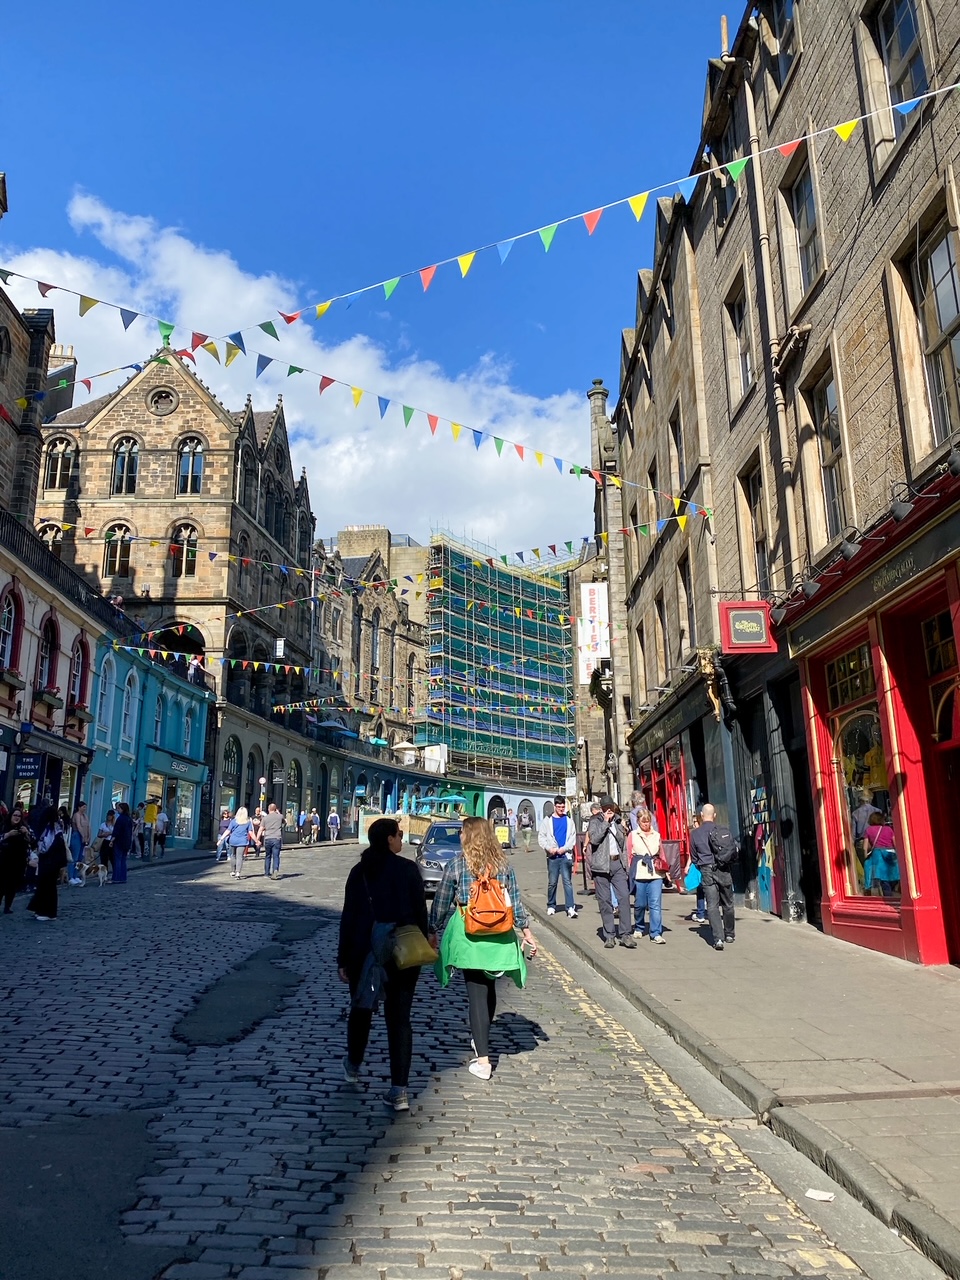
(384,405)
(389,286)
(232,352)
(262,363)
(325,382)
(465,262)
(456,428)
(197,340)
(87,304)
(357,394)
(128,317)
(426,277)
(237,340)
(269,328)
(638,204)
(322,308)
(166,329)
(211,349)
(591,219)
(432,419)
(789,148)
(843,131)
(407,414)
(546,235)
(503,249)
(736,167)
(289,319)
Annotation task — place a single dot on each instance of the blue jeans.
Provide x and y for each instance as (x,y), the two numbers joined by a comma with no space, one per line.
(557,867)
(649,894)
(271,855)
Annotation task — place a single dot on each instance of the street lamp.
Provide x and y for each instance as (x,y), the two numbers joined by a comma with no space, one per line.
(263,794)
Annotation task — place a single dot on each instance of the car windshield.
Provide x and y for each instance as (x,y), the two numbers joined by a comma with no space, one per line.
(444,837)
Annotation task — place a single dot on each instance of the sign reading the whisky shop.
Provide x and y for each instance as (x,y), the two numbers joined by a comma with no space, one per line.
(745,627)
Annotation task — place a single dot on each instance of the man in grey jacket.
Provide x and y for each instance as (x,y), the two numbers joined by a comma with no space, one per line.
(607,841)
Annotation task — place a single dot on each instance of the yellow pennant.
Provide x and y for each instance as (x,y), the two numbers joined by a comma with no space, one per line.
(232,353)
(539,458)
(211,349)
(638,204)
(465,262)
(87,304)
(456,428)
(844,131)
(357,394)
(681,520)
(617,481)
(322,309)
(604,538)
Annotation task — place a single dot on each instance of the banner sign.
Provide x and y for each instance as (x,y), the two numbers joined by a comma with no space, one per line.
(593,629)
(745,627)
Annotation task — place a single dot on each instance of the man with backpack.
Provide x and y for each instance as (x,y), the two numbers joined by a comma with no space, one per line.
(525,828)
(715,852)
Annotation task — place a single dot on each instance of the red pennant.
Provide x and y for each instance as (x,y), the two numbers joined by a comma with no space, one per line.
(433,420)
(174,549)
(187,355)
(591,220)
(5,415)
(45,288)
(291,318)
(180,630)
(87,383)
(197,340)
(326,382)
(245,665)
(519,449)
(597,476)
(789,148)
(426,277)
(245,561)
(87,532)
(553,549)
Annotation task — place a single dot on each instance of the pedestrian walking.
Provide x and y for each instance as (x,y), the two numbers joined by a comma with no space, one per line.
(15,846)
(608,860)
(105,836)
(699,913)
(384,890)
(122,842)
(716,879)
(224,827)
(51,859)
(557,837)
(593,812)
(160,829)
(150,811)
(333,823)
(136,847)
(480,959)
(645,879)
(240,834)
(314,826)
(526,828)
(512,828)
(302,826)
(79,840)
(271,833)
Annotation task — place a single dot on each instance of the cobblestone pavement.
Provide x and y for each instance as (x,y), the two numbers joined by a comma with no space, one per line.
(581,1157)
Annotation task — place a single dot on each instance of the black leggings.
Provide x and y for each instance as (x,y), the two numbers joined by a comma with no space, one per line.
(397,1004)
(482,994)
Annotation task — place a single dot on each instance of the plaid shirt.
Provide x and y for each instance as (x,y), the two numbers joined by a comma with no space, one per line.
(454,888)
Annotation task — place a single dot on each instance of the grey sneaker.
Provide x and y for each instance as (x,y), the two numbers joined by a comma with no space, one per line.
(610,943)
(628,941)
(350,1073)
(718,946)
(396,1099)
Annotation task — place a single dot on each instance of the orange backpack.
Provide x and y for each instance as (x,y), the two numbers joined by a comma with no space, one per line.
(489,910)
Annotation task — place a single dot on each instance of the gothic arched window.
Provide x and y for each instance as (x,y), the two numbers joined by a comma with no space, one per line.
(183,552)
(60,455)
(190,470)
(116,552)
(126,464)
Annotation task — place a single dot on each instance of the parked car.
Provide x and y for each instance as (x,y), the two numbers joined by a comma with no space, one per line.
(438,846)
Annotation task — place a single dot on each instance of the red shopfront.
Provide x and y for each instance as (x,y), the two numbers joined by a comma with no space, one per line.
(881,688)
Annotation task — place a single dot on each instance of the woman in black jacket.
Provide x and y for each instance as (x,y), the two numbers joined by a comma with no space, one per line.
(51,859)
(383,888)
(14,852)
(122,843)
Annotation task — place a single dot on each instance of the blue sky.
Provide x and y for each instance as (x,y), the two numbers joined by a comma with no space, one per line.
(320,148)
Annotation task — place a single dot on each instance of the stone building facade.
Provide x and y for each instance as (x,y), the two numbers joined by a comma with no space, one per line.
(814,298)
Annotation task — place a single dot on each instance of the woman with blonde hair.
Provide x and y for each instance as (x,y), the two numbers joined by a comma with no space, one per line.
(240,834)
(481,959)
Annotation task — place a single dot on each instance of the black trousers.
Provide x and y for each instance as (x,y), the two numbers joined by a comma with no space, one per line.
(11,882)
(482,996)
(44,900)
(399,989)
(718,891)
(615,879)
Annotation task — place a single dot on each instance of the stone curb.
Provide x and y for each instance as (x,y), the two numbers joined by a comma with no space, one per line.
(897,1207)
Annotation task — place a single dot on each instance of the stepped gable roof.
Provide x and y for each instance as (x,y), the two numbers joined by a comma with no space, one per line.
(81,414)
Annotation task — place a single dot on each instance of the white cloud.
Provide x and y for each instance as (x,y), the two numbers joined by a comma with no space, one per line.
(360,470)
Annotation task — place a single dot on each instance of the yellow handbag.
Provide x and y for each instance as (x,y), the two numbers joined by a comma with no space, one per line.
(411,948)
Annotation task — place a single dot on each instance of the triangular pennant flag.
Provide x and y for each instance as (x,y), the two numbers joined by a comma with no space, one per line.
(478,438)
(294,368)
(426,277)
(736,167)
(498,445)
(187,355)
(638,204)
(559,464)
(519,449)
(270,328)
(591,219)
(569,546)
(357,394)
(906,107)
(552,549)
(407,414)
(384,405)
(503,248)
(87,383)
(456,428)
(536,552)
(128,317)
(87,304)
(465,262)
(546,234)
(681,520)
(686,187)
(45,288)
(5,276)
(390,285)
(604,538)
(519,555)
(644,529)
(577,471)
(232,352)
(289,319)
(326,382)
(789,148)
(843,131)
(165,331)
(262,363)
(433,420)
(237,340)
(211,349)
(539,457)
(197,340)
(661,525)
(322,308)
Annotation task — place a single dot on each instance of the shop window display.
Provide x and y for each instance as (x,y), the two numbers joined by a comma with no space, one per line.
(869,844)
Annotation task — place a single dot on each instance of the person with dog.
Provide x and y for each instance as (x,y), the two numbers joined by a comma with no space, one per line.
(105,836)
(15,846)
(383,890)
(481,959)
(240,834)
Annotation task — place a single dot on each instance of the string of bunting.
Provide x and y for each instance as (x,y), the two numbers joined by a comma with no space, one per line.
(464,261)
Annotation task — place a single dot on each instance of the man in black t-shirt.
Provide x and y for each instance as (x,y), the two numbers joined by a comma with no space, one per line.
(717,883)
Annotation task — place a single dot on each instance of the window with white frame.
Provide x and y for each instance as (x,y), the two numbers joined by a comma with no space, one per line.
(685,601)
(677,459)
(826,422)
(126,465)
(105,696)
(757,530)
(899,41)
(183,552)
(738,341)
(128,715)
(936,285)
(782,46)
(60,454)
(158,721)
(187,732)
(190,470)
(9,621)
(78,673)
(803,212)
(663,645)
(116,551)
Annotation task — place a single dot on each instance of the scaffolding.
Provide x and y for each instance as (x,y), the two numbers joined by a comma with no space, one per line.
(501,664)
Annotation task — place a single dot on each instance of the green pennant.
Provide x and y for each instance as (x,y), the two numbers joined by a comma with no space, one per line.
(165,331)
(294,368)
(504,559)
(268,327)
(5,276)
(407,414)
(63,383)
(546,235)
(736,167)
(569,546)
(390,285)
(498,445)
(577,471)
(644,529)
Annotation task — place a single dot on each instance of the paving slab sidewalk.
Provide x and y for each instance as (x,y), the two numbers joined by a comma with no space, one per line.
(851,1056)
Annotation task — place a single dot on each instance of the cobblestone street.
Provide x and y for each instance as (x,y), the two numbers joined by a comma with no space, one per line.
(173,1106)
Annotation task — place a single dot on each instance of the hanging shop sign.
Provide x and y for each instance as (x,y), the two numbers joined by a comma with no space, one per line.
(745,627)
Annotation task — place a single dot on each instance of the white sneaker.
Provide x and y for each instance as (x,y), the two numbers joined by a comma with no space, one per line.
(572,912)
(551,911)
(350,1073)
(396,1099)
(482,1070)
